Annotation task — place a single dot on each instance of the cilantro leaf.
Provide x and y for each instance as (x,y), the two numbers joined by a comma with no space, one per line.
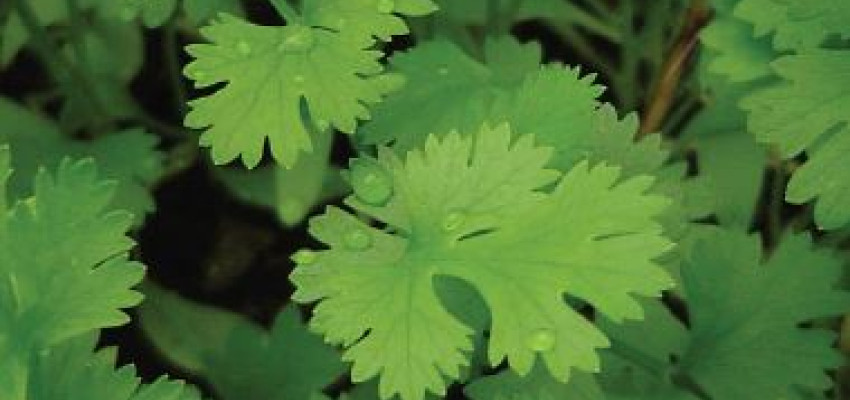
(807,111)
(636,366)
(361,19)
(486,221)
(796,25)
(659,335)
(73,370)
(538,385)
(14,35)
(129,157)
(282,82)
(746,342)
(446,89)
(237,357)
(153,13)
(729,161)
(63,259)
(734,51)
(66,263)
(202,11)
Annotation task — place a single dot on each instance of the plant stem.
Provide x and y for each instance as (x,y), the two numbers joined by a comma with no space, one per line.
(598,24)
(288,12)
(667,82)
(171,51)
(580,44)
(775,202)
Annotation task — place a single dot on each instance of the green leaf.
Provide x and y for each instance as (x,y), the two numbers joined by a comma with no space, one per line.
(796,25)
(362,19)
(734,50)
(446,90)
(63,265)
(14,35)
(236,356)
(807,111)
(746,340)
(560,107)
(65,268)
(283,82)
(637,365)
(153,13)
(200,12)
(538,385)
(129,157)
(291,193)
(486,221)
(74,371)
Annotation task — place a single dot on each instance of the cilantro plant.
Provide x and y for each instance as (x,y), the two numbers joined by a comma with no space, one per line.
(423,199)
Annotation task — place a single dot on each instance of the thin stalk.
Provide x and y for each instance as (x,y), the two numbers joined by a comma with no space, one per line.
(673,68)
(287,11)
(595,24)
(77,33)
(585,50)
(775,203)
(625,79)
(171,50)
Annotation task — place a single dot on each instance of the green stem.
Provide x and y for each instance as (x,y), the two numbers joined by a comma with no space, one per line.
(585,50)
(287,11)
(77,33)
(171,51)
(775,203)
(597,25)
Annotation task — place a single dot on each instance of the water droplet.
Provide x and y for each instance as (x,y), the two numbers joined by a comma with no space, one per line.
(298,39)
(541,340)
(386,6)
(298,79)
(372,183)
(357,239)
(305,257)
(443,71)
(243,47)
(453,221)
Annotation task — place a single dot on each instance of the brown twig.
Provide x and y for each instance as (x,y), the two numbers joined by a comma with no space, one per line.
(665,86)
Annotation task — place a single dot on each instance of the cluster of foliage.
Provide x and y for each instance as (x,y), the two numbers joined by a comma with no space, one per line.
(504,229)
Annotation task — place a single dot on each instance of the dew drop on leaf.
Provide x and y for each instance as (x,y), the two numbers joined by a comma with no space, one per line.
(243,47)
(372,183)
(357,239)
(443,71)
(453,221)
(305,257)
(298,79)
(542,339)
(386,6)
